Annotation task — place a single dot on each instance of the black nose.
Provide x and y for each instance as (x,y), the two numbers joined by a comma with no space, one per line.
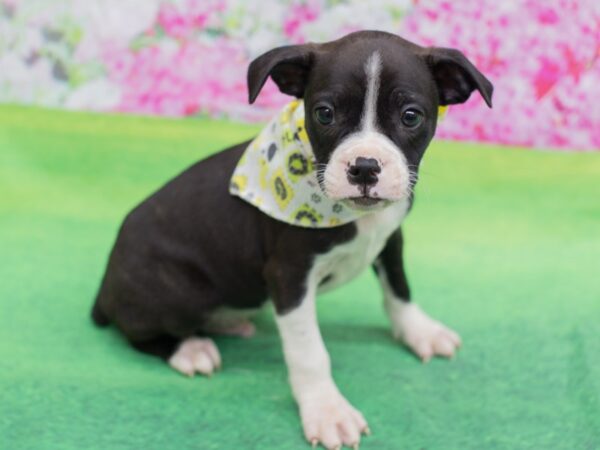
(364,171)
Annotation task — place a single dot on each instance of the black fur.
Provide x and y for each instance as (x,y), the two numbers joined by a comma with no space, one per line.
(393,264)
(191,247)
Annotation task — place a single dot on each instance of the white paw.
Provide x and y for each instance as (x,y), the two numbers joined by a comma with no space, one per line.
(425,336)
(196,355)
(329,419)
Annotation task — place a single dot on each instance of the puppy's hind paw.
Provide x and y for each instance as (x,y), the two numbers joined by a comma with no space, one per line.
(196,355)
(241,327)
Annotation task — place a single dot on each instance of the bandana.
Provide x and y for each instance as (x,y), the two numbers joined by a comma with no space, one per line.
(277,175)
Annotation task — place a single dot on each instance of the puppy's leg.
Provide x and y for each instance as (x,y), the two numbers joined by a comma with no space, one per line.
(425,336)
(327,417)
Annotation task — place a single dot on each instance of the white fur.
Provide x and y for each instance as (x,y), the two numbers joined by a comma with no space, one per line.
(394,179)
(373,72)
(327,417)
(196,355)
(344,262)
(425,336)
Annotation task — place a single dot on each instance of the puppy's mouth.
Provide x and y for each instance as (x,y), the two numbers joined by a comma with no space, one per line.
(366,203)
(365,200)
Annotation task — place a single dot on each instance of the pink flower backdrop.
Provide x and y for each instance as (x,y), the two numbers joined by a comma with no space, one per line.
(189,57)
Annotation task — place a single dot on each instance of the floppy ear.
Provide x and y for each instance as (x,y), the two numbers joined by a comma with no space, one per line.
(288,66)
(456,77)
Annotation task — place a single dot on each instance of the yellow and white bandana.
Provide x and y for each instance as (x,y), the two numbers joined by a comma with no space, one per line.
(277,174)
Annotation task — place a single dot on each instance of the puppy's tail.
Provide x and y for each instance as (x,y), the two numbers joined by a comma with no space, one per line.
(98,315)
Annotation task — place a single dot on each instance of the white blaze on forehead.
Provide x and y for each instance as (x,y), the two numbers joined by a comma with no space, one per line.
(368,142)
(373,71)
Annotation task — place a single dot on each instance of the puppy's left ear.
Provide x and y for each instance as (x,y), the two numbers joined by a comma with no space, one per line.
(288,67)
(456,77)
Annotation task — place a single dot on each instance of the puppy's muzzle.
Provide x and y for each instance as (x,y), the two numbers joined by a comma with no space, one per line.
(367,166)
(364,172)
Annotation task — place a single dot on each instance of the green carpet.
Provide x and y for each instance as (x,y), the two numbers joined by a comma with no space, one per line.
(503,245)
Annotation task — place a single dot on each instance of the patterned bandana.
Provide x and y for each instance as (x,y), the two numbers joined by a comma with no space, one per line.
(277,174)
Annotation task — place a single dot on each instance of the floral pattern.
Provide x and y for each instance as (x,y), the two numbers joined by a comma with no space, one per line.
(189,57)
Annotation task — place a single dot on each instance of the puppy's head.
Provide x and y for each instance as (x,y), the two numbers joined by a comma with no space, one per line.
(371,102)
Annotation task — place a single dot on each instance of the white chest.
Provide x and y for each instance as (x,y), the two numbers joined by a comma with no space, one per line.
(346,261)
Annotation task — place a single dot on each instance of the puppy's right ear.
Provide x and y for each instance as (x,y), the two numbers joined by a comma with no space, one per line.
(288,67)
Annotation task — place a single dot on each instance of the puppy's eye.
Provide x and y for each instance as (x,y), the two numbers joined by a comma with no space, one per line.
(324,115)
(412,118)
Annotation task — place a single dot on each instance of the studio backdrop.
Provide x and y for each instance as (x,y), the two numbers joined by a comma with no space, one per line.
(189,57)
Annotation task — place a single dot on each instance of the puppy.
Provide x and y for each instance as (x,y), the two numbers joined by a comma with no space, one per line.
(309,204)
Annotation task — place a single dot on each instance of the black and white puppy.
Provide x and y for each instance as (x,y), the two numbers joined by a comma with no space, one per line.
(192,253)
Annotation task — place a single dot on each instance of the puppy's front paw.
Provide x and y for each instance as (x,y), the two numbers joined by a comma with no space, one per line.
(329,419)
(425,336)
(196,355)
